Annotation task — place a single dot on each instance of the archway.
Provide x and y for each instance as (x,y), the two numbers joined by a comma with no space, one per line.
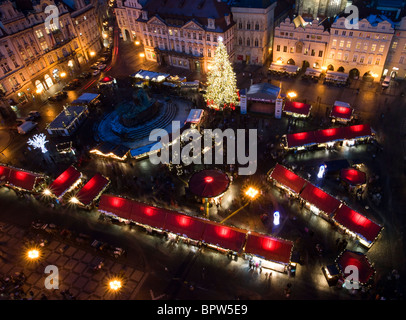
(291,61)
(354,73)
(39,86)
(126,35)
(340,69)
(48,81)
(330,67)
(368,76)
(305,64)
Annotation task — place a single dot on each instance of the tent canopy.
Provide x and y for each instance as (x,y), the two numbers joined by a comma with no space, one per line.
(209,183)
(23,179)
(353,176)
(299,108)
(329,135)
(288,178)
(301,139)
(359,260)
(341,112)
(90,191)
(64,181)
(182,224)
(357,223)
(269,248)
(148,215)
(320,199)
(224,236)
(118,206)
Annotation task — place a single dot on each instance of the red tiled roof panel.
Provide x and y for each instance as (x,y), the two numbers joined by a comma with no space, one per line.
(357,223)
(22,179)
(320,199)
(288,178)
(88,193)
(269,248)
(64,181)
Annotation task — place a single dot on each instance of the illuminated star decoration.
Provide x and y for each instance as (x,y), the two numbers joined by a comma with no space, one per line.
(38,141)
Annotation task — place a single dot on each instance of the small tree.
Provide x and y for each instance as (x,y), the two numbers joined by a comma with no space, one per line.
(221,91)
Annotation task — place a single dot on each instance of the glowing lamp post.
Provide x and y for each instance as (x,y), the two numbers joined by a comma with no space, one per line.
(33,254)
(252,193)
(292,95)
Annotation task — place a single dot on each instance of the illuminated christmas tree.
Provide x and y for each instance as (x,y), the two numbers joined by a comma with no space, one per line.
(221,91)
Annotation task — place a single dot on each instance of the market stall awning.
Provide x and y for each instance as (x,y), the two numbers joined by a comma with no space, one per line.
(360,261)
(184,225)
(86,97)
(288,178)
(300,139)
(23,179)
(148,215)
(298,108)
(341,112)
(118,206)
(111,150)
(357,223)
(223,236)
(64,181)
(320,199)
(150,75)
(329,135)
(357,131)
(353,176)
(209,183)
(269,248)
(92,189)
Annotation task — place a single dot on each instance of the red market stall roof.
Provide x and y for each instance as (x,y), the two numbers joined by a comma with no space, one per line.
(288,178)
(353,176)
(300,139)
(209,183)
(269,248)
(64,181)
(357,131)
(91,190)
(23,179)
(224,236)
(357,223)
(341,112)
(118,206)
(359,260)
(329,135)
(320,199)
(4,174)
(148,215)
(297,108)
(184,225)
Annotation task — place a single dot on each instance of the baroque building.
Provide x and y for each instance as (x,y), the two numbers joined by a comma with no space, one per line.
(35,54)
(319,8)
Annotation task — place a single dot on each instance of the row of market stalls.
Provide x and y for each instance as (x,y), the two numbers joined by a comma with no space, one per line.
(327,137)
(323,204)
(274,252)
(70,182)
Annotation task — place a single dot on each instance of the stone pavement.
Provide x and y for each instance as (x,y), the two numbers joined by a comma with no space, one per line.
(74,267)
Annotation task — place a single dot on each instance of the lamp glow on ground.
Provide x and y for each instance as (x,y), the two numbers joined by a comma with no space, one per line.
(32,254)
(115,284)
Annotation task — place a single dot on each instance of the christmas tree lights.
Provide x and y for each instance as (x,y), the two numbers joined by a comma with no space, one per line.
(221,91)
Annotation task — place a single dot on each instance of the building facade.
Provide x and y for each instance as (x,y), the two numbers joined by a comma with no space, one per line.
(299,43)
(319,8)
(35,55)
(360,52)
(395,65)
(253,33)
(185,33)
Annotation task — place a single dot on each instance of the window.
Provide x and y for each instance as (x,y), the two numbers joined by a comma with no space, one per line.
(345,56)
(377,61)
(248,42)
(373,47)
(343,33)
(381,48)
(358,45)
(194,36)
(240,41)
(282,33)
(341,43)
(39,34)
(188,35)
(320,53)
(306,51)
(351,33)
(335,31)
(256,43)
(240,25)
(394,45)
(248,25)
(209,53)
(354,58)
(207,37)
(370,60)
(361,60)
(313,53)
(285,49)
(348,44)
(214,38)
(334,42)
(257,26)
(200,36)
(401,60)
(365,46)
(278,47)
(339,55)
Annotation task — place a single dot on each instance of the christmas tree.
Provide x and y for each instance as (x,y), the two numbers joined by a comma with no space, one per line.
(221,91)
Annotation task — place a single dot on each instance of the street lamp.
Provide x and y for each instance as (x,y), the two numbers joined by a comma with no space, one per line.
(251,192)
(292,95)
(33,254)
(74,200)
